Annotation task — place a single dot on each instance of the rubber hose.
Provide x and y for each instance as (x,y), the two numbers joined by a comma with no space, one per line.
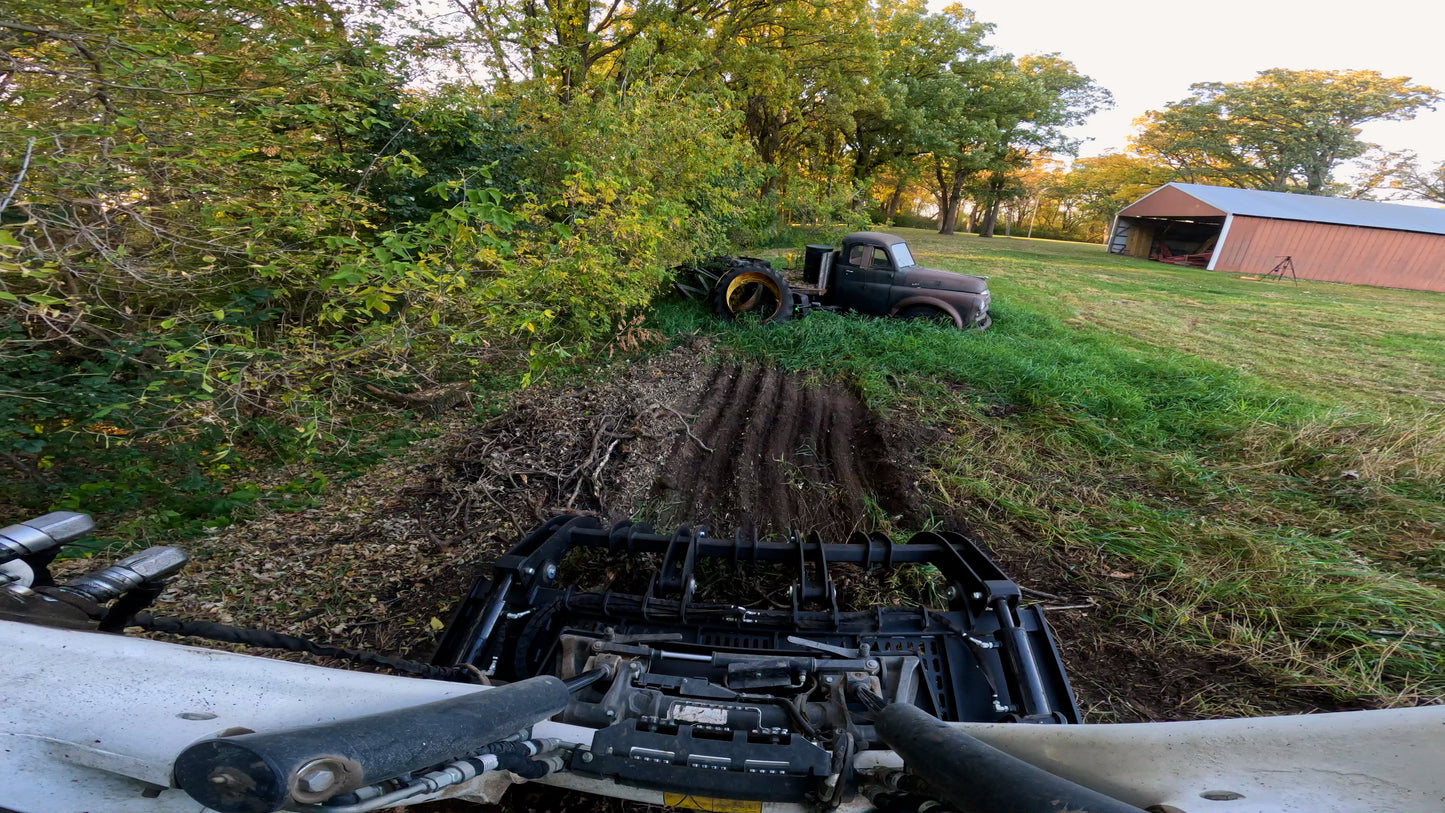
(974,777)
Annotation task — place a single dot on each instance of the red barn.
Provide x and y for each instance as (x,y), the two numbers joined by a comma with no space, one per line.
(1246,231)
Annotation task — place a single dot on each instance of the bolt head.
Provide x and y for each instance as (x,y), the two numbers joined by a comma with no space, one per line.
(872,665)
(316,780)
(550,572)
(587,756)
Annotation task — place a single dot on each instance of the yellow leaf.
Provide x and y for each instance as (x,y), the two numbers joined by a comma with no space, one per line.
(436,623)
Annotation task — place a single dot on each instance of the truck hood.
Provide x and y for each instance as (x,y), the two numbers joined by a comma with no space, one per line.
(939,279)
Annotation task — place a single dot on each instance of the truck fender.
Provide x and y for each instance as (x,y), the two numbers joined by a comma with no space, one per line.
(932,302)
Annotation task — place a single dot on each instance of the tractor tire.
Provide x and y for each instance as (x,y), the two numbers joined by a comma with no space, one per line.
(754,288)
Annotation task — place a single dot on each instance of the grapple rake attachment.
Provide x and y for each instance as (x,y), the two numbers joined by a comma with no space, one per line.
(755,703)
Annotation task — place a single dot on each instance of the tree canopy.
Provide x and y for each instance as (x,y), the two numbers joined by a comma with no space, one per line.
(1284,130)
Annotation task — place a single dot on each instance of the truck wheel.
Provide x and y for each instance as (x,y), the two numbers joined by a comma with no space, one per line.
(925,312)
(754,288)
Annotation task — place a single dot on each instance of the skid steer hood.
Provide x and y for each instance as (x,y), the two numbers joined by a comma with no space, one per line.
(946,280)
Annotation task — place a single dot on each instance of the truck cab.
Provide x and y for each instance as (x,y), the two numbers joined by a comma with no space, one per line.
(875,273)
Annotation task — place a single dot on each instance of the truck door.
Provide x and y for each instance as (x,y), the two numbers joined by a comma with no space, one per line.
(876,291)
(849,280)
(864,278)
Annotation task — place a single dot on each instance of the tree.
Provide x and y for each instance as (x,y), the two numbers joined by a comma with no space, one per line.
(1400,176)
(933,82)
(1426,183)
(1101,186)
(1030,103)
(921,57)
(188,158)
(1283,130)
(564,44)
(798,79)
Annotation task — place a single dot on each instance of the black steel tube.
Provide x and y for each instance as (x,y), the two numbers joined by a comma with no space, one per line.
(263,772)
(1016,646)
(761,551)
(974,777)
(488,622)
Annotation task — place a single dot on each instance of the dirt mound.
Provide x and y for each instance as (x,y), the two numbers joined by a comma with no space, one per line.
(773,455)
(685,439)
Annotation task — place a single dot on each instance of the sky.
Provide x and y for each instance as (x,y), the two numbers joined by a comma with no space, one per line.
(1149,53)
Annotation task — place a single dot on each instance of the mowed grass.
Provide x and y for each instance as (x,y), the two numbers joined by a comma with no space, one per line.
(1344,343)
(1249,496)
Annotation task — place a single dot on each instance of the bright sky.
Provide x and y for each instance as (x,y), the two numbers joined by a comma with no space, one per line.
(1148,52)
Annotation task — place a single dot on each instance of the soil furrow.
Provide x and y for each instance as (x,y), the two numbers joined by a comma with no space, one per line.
(785,457)
(687,455)
(713,488)
(751,473)
(840,453)
(779,464)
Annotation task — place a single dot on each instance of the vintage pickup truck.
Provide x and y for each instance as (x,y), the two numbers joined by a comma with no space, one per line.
(871,273)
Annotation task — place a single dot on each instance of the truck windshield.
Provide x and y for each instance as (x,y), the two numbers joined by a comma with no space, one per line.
(902,257)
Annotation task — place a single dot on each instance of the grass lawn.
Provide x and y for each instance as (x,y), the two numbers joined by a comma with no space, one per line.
(1246,467)
(1349,344)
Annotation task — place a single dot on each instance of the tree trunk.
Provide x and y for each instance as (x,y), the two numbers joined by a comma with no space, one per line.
(990,219)
(894,201)
(950,195)
(949,218)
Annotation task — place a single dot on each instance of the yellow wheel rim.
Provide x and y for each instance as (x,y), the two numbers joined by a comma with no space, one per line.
(745,292)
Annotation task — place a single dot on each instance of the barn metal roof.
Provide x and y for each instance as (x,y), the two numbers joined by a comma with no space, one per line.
(1316,209)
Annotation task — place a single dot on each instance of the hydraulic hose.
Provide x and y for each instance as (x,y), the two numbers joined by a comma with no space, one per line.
(974,777)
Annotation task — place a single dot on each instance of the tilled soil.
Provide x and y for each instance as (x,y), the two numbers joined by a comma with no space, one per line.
(774,455)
